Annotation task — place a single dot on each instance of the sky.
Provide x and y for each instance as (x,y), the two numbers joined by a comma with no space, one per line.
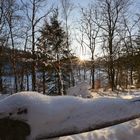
(73,21)
(82,2)
(75,17)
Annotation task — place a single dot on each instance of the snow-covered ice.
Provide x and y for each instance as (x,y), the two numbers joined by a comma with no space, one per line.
(63,115)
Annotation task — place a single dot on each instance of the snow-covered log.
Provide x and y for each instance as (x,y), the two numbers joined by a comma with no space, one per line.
(50,117)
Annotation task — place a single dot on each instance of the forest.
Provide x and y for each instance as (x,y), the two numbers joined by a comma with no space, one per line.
(43,45)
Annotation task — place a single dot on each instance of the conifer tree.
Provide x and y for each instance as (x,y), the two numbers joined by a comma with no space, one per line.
(52,42)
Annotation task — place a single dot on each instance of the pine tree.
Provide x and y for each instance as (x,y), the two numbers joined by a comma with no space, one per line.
(52,44)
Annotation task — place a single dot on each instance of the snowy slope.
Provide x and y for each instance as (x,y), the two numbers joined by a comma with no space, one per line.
(56,116)
(126,131)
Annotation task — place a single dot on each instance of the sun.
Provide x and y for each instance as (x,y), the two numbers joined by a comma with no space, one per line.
(82,58)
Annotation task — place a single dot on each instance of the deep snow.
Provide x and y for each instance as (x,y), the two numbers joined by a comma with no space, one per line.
(126,131)
(62,115)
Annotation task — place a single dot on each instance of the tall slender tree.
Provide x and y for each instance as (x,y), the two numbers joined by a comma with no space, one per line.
(90,34)
(67,7)
(34,17)
(13,18)
(2,24)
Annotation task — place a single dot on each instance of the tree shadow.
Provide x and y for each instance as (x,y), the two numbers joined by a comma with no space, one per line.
(13,129)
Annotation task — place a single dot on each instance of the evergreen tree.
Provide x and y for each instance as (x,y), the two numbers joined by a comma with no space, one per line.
(52,45)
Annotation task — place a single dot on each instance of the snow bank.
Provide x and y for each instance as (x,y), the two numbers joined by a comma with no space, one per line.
(2,96)
(126,131)
(80,90)
(64,115)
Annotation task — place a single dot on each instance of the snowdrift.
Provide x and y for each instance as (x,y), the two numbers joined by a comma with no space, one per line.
(64,115)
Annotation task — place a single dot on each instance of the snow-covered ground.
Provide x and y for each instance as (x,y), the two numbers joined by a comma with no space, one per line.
(80,90)
(126,131)
(57,116)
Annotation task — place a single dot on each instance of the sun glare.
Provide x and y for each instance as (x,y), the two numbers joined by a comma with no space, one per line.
(82,58)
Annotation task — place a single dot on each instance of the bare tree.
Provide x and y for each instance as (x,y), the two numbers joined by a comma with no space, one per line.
(130,43)
(33,12)
(111,12)
(13,19)
(67,7)
(90,34)
(2,23)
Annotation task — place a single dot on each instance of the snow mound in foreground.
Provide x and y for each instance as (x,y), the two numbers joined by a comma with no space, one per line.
(126,131)
(65,115)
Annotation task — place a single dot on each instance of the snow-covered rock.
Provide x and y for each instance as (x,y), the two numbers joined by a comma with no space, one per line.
(80,90)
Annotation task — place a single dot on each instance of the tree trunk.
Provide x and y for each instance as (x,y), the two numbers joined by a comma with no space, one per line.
(60,79)
(1,65)
(22,79)
(33,48)
(33,77)
(1,83)
(111,63)
(27,81)
(93,70)
(14,62)
(92,76)
(44,81)
(131,76)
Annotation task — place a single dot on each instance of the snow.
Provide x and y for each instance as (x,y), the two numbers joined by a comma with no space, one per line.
(80,90)
(126,131)
(2,96)
(63,115)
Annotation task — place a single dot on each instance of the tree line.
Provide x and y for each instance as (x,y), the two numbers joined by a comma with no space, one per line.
(36,43)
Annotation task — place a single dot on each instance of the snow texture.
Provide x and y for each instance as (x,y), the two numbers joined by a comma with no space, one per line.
(126,131)
(62,115)
(80,90)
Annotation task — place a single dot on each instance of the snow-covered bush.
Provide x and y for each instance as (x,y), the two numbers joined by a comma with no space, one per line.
(81,90)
